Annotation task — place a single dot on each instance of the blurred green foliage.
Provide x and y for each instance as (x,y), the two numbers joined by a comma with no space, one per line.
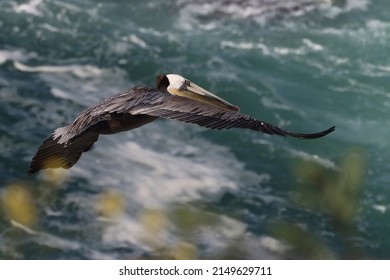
(334,192)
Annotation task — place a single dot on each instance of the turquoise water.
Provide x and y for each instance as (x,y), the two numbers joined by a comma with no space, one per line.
(179,190)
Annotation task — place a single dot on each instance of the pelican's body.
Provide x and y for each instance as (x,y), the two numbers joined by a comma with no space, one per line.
(175,98)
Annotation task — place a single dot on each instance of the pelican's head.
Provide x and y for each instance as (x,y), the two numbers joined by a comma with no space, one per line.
(177,85)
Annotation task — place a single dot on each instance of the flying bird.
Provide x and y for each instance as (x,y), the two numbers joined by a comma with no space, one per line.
(175,98)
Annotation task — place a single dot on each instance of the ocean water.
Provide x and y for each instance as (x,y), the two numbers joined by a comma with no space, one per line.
(173,190)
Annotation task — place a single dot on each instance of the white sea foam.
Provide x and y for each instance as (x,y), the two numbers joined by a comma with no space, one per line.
(314,46)
(52,241)
(327,163)
(321,160)
(350,5)
(207,14)
(274,245)
(247,46)
(129,231)
(51,28)
(307,47)
(83,84)
(81,71)
(159,177)
(60,93)
(14,55)
(30,7)
(259,11)
(138,41)
(380,208)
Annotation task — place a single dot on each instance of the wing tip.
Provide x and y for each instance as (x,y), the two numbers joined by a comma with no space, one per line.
(50,154)
(314,135)
(32,170)
(327,131)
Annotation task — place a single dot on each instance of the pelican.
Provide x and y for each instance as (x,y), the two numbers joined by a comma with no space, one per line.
(175,98)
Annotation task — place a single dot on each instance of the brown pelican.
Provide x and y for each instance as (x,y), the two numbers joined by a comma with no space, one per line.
(175,98)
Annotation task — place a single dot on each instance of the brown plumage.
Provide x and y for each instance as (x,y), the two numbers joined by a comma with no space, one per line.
(175,98)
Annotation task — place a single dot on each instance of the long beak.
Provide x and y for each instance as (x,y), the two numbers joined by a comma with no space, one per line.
(195,92)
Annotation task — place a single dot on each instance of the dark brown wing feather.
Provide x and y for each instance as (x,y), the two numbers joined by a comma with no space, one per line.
(192,111)
(52,154)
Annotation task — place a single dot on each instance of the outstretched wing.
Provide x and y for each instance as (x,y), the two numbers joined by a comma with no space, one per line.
(192,111)
(65,146)
(106,110)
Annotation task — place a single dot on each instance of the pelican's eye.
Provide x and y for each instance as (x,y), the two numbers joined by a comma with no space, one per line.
(184,85)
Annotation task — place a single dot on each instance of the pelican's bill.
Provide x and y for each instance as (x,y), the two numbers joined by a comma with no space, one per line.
(193,91)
